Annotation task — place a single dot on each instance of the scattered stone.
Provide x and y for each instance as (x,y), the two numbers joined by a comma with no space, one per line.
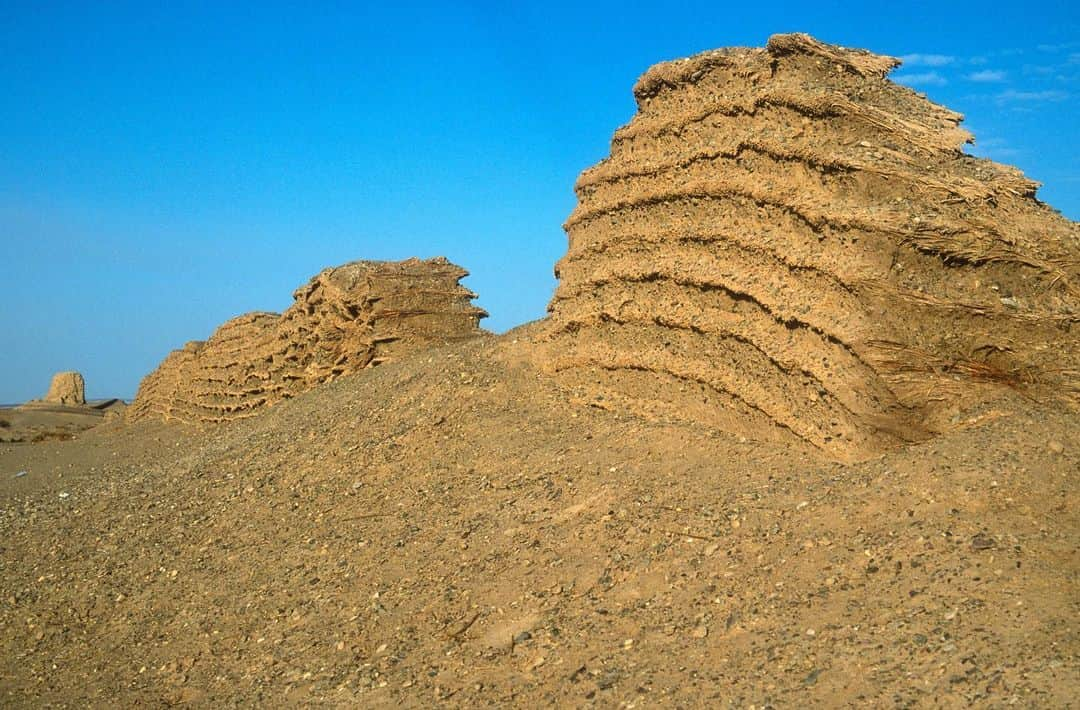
(699,632)
(1056,447)
(607,679)
(1009,302)
(20,474)
(982,541)
(523,637)
(64,495)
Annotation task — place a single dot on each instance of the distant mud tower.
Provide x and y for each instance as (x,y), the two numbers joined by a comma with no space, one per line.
(67,388)
(344,320)
(783,242)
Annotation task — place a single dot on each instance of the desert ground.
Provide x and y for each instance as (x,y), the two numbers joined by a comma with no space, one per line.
(455,528)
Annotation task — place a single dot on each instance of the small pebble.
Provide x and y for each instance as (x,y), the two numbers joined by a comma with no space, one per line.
(20,474)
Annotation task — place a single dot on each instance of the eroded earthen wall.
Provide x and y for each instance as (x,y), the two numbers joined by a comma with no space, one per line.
(343,320)
(784,241)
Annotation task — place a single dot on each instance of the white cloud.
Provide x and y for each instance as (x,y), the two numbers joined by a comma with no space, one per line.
(987,75)
(1058,47)
(994,148)
(927,60)
(930,78)
(1012,96)
(1039,70)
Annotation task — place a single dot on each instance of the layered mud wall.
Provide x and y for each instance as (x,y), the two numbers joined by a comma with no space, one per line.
(785,243)
(67,388)
(344,320)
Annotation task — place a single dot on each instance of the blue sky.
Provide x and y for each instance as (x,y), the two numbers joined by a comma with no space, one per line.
(164,168)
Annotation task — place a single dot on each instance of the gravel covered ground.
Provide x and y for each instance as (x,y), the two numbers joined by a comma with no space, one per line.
(457,529)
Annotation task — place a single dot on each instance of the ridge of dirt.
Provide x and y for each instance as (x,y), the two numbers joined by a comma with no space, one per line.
(458,528)
(344,319)
(784,240)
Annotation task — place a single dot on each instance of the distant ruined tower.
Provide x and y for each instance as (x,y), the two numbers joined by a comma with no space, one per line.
(67,388)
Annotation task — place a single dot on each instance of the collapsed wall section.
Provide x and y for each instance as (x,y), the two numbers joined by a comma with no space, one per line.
(345,319)
(785,243)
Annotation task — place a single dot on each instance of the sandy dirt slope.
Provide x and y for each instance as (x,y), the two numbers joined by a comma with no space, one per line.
(456,527)
(40,421)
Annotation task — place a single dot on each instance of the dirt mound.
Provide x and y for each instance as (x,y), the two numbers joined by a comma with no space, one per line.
(451,529)
(784,243)
(67,388)
(345,319)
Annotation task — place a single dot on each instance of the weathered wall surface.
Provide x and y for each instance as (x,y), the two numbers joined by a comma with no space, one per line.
(784,241)
(344,320)
(67,388)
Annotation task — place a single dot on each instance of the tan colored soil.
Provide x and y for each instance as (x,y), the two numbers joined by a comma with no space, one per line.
(382,540)
(636,502)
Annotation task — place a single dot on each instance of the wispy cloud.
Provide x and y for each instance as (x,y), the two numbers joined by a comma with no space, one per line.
(987,75)
(1039,70)
(930,78)
(927,60)
(992,147)
(1061,47)
(1013,96)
